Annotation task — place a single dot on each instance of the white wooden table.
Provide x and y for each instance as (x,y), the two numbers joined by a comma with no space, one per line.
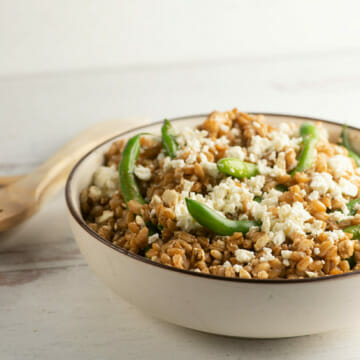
(51,305)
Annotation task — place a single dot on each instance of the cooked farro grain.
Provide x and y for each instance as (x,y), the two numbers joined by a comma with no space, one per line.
(300,217)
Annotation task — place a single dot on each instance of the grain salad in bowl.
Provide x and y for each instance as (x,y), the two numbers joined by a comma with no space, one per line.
(234,196)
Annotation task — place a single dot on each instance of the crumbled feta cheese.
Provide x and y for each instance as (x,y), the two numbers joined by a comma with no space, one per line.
(273,171)
(139,220)
(314,195)
(244,256)
(311,274)
(316,251)
(335,235)
(173,164)
(235,152)
(142,172)
(106,215)
(153,238)
(170,197)
(237,268)
(286,262)
(107,179)
(338,216)
(255,184)
(291,219)
(321,182)
(195,141)
(348,188)
(279,237)
(340,165)
(276,141)
(267,256)
(286,254)
(94,193)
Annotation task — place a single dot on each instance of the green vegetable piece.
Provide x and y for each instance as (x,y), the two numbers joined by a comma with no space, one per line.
(212,220)
(237,168)
(281,187)
(152,228)
(128,185)
(345,142)
(355,230)
(351,205)
(310,135)
(352,261)
(258,199)
(168,140)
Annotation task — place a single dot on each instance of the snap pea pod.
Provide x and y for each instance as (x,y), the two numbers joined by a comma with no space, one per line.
(281,187)
(310,135)
(354,230)
(237,168)
(212,220)
(128,185)
(345,142)
(351,205)
(168,140)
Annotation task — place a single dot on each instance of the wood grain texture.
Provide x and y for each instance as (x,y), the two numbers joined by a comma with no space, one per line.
(51,305)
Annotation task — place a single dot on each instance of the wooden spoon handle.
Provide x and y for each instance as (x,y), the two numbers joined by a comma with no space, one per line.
(49,177)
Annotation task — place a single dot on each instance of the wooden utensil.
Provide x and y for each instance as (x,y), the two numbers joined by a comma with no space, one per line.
(22,196)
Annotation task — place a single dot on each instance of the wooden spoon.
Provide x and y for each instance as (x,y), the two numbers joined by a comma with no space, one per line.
(24,195)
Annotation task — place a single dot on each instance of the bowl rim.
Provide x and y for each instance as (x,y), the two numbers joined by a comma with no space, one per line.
(80,221)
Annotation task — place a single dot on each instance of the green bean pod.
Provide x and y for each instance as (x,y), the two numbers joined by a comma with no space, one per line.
(168,140)
(354,230)
(345,142)
(310,135)
(351,205)
(237,168)
(128,185)
(212,220)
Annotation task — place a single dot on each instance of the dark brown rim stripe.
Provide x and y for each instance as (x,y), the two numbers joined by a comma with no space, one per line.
(143,259)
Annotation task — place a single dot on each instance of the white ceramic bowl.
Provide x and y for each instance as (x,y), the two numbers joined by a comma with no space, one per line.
(226,306)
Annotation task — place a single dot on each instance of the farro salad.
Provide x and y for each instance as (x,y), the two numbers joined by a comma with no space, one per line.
(232,197)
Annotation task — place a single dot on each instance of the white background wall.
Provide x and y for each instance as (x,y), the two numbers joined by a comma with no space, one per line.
(44,36)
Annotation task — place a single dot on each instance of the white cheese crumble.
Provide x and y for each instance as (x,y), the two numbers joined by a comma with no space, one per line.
(107,179)
(244,256)
(94,193)
(348,188)
(106,215)
(311,274)
(323,183)
(279,237)
(276,141)
(142,172)
(170,197)
(286,254)
(255,184)
(227,264)
(235,152)
(237,268)
(153,238)
(340,165)
(139,220)
(267,256)
(314,195)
